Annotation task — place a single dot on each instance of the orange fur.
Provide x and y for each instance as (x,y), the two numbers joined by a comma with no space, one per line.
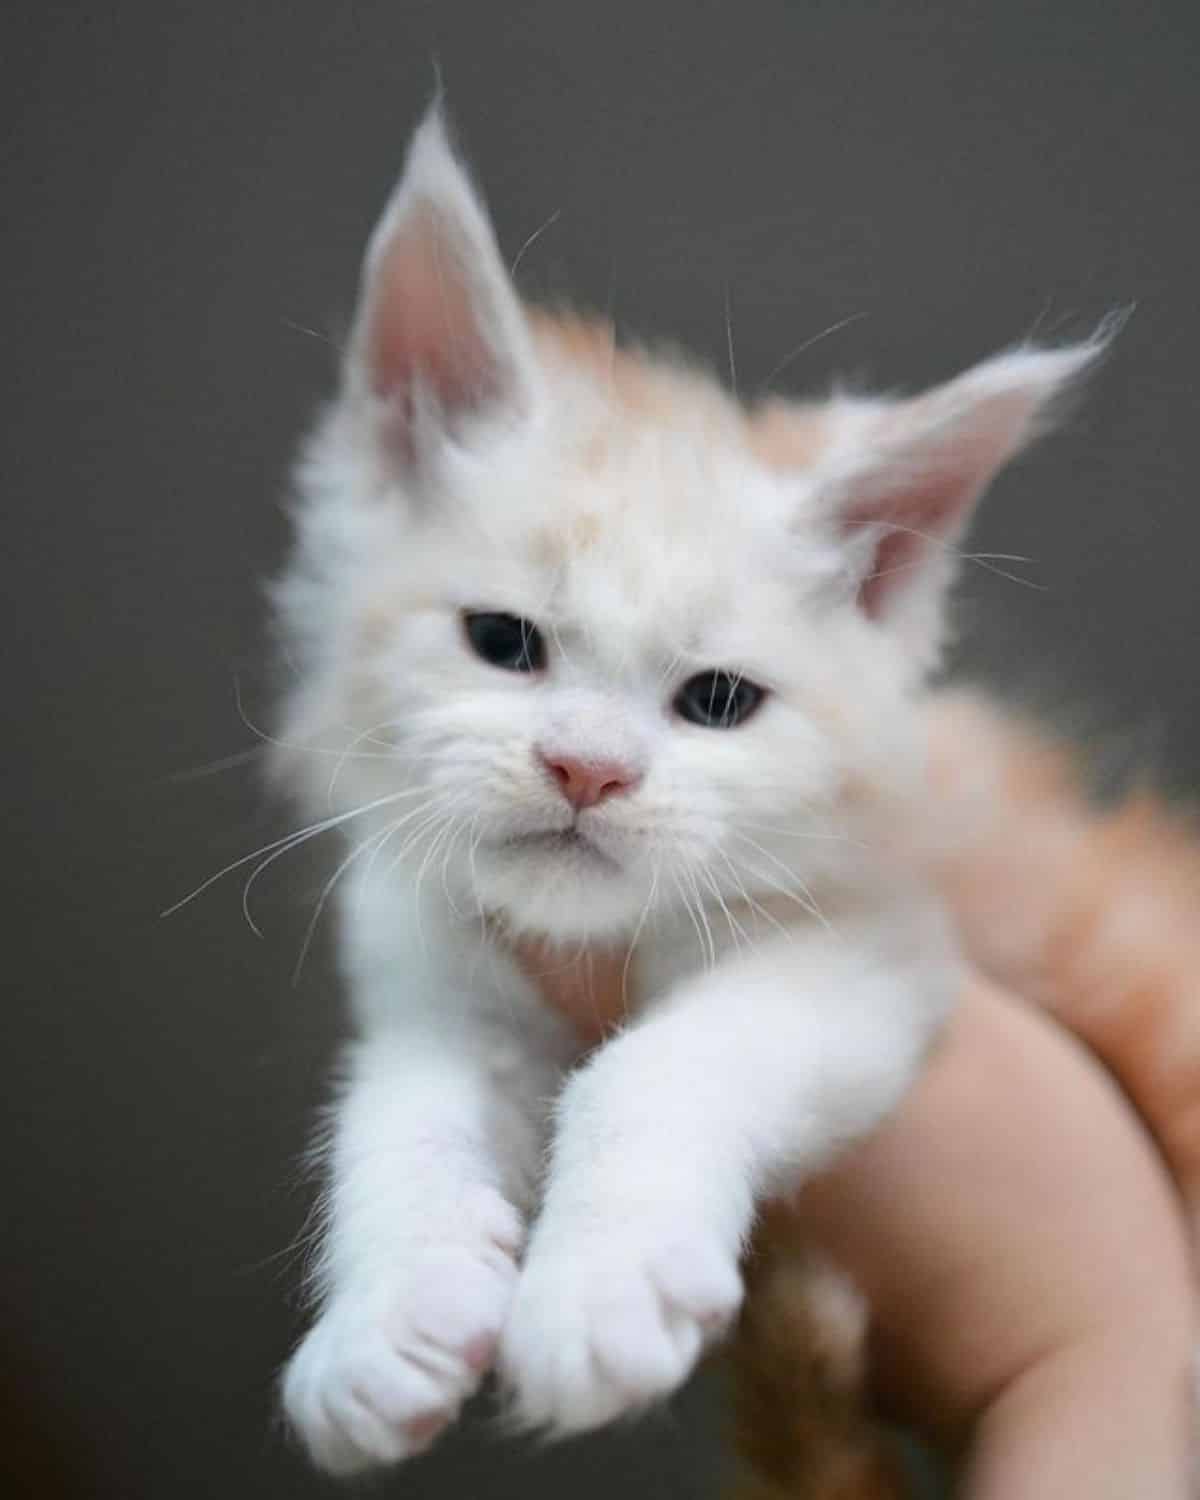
(649,388)
(786,436)
(645,389)
(801,1416)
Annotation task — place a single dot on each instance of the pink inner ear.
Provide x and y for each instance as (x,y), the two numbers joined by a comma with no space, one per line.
(915,519)
(425,325)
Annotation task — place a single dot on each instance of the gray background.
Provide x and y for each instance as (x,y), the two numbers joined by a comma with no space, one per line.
(186,189)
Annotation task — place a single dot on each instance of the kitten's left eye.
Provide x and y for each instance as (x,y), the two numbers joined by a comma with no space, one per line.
(718,700)
(506,641)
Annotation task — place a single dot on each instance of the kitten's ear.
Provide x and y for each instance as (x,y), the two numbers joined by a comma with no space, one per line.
(901,478)
(440,339)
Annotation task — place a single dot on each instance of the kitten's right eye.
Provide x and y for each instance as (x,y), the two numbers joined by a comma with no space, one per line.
(505,641)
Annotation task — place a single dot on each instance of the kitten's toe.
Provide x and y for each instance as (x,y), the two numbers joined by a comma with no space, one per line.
(380,1375)
(606,1329)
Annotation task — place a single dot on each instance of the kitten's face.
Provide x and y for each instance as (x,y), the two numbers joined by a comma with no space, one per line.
(610,676)
(609,643)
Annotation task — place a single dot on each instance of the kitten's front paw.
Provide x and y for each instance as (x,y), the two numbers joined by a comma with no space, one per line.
(604,1325)
(383,1372)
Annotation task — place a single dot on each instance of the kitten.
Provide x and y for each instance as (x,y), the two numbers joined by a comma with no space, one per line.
(594,660)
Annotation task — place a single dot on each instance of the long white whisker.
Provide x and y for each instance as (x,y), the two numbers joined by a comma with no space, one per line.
(226,763)
(703,915)
(755,906)
(432,820)
(807,902)
(980,559)
(476,836)
(808,836)
(441,831)
(392,829)
(349,753)
(733,385)
(358,849)
(255,873)
(535,236)
(460,831)
(281,845)
(800,897)
(808,343)
(736,930)
(446,826)
(271,739)
(687,906)
(637,932)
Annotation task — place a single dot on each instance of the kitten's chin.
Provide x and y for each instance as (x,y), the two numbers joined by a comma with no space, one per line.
(558,886)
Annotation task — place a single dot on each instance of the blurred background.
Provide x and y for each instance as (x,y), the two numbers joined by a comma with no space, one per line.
(186,192)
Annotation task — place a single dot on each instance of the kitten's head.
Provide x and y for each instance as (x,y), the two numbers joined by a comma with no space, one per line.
(608,640)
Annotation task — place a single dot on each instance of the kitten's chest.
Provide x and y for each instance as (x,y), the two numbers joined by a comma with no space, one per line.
(593,988)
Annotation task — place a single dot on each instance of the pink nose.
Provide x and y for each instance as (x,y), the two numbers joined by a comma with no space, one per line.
(585,782)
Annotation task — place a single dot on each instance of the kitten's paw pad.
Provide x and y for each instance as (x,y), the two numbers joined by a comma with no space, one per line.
(378,1377)
(604,1329)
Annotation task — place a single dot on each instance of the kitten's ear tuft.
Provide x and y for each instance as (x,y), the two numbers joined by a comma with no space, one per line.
(902,477)
(440,338)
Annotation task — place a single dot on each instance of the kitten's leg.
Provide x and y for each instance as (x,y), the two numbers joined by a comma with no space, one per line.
(434,1149)
(742,1080)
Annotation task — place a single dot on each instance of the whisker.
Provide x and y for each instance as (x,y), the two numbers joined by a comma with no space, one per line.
(687,906)
(808,343)
(311,333)
(703,915)
(755,906)
(808,903)
(446,826)
(980,559)
(271,739)
(290,840)
(430,820)
(193,773)
(805,905)
(324,897)
(807,835)
(348,753)
(733,385)
(392,829)
(536,235)
(736,930)
(446,853)
(251,880)
(254,874)
(637,932)
(476,836)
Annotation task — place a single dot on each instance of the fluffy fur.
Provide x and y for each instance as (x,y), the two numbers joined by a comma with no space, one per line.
(785,966)
(804,1428)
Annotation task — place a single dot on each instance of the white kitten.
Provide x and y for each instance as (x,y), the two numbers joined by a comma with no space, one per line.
(590,655)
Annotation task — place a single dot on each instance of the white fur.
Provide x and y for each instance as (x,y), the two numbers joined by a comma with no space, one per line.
(789,971)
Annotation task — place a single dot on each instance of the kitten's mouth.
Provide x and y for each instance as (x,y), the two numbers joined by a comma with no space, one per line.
(567,843)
